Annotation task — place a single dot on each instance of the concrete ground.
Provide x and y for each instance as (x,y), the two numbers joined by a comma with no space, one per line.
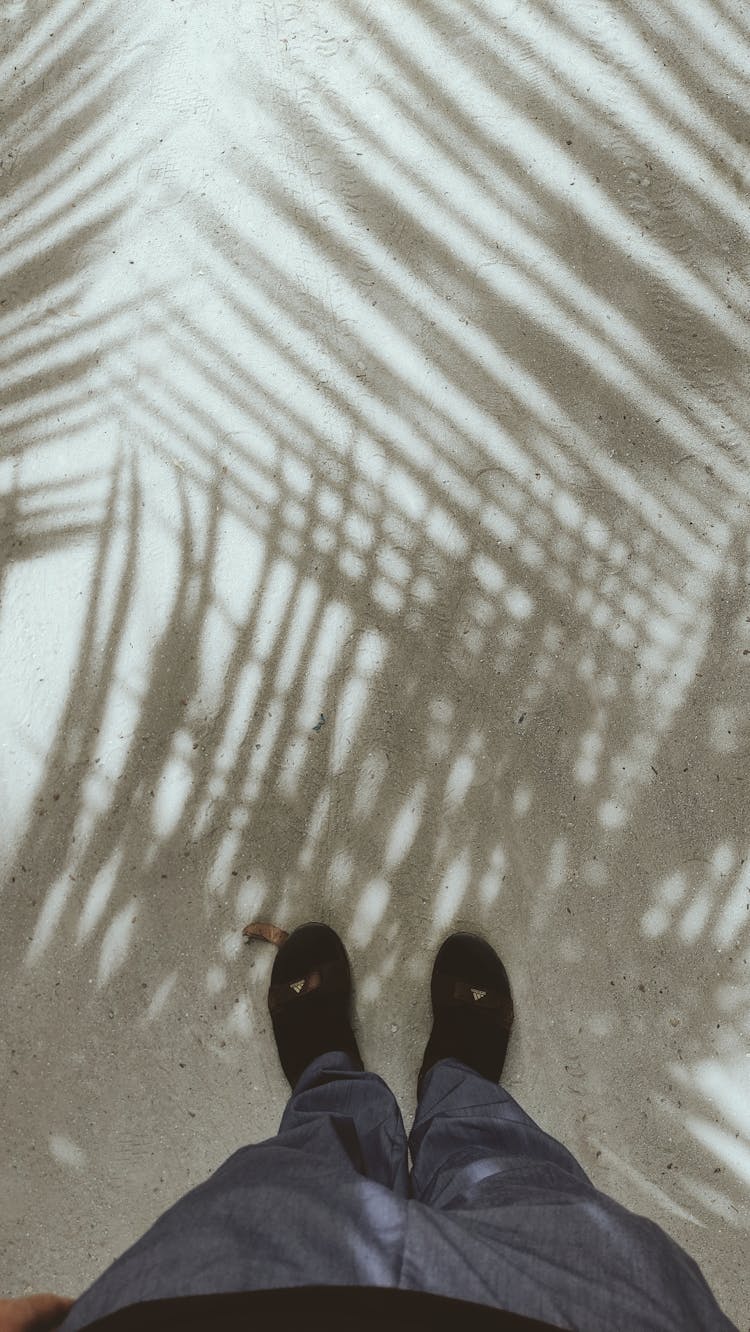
(375,549)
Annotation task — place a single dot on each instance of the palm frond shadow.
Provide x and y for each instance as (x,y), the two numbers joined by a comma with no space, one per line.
(405,671)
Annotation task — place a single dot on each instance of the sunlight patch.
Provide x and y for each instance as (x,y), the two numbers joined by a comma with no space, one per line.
(315,828)
(217,879)
(370,911)
(216,980)
(734,913)
(696,916)
(405,826)
(99,894)
(371,776)
(160,998)
(341,870)
(391,598)
(250,898)
(522,799)
(231,945)
(241,1020)
(116,942)
(66,1152)
(452,890)
(732,1151)
(172,791)
(489,573)
(54,904)
(612,814)
(669,894)
(491,882)
(459,781)
(519,603)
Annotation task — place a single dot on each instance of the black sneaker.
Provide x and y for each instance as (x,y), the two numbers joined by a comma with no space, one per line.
(472,1008)
(309,999)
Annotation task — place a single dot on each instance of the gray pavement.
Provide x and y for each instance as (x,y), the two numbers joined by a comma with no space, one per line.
(375,550)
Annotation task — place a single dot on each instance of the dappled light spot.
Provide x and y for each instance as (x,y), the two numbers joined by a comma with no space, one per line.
(352,565)
(612,814)
(491,882)
(696,916)
(359,530)
(369,911)
(489,573)
(251,896)
(442,528)
(241,1020)
(455,880)
(354,696)
(341,870)
(323,538)
(657,919)
(523,797)
(264,747)
(733,916)
(231,945)
(115,945)
(49,917)
(275,598)
(441,711)
(160,998)
(216,980)
(330,503)
(601,615)
(568,510)
(392,564)
(519,603)
(172,791)
(596,535)
(369,989)
(405,826)
(370,778)
(66,1152)
(301,619)
(297,474)
(557,866)
(459,780)
(499,524)
(733,1151)
(99,894)
(617,1161)
(389,597)
(218,878)
(316,827)
(490,887)
(587,764)
(531,553)
(335,627)
(293,514)
(725,728)
(424,590)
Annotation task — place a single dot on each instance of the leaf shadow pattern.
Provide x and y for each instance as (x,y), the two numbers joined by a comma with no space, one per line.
(405,523)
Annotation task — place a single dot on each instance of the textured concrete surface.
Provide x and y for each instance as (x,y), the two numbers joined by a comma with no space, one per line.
(375,548)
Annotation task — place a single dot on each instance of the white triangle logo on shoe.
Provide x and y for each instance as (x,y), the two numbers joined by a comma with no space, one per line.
(296,985)
(478,994)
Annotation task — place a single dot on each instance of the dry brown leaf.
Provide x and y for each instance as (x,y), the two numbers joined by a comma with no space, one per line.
(260,929)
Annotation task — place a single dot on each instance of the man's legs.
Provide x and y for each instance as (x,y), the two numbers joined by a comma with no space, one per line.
(319,1204)
(511,1219)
